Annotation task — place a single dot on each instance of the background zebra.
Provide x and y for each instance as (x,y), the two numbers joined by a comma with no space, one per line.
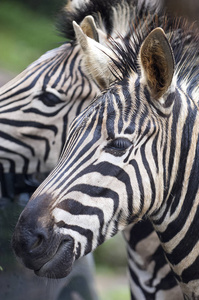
(128,156)
(36,108)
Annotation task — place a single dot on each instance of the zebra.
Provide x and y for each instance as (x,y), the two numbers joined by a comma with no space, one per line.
(40,103)
(41,149)
(130,155)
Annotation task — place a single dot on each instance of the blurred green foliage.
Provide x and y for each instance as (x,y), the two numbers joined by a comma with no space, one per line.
(47,7)
(24,35)
(116,294)
(112,255)
(111,265)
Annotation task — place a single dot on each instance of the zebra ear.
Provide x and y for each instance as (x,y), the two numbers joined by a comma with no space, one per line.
(157,65)
(89,28)
(97,57)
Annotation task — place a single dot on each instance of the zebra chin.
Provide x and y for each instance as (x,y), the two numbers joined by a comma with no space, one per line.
(38,245)
(60,265)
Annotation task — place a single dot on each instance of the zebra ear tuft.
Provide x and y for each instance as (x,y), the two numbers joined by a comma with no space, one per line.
(157,63)
(96,57)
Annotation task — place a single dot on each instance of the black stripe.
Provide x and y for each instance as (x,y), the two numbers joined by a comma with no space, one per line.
(25,159)
(21,123)
(86,82)
(10,161)
(76,208)
(40,138)
(111,115)
(175,194)
(63,69)
(97,192)
(131,128)
(185,246)
(139,232)
(128,100)
(17,142)
(134,164)
(85,232)
(155,149)
(45,114)
(191,273)
(150,175)
(108,169)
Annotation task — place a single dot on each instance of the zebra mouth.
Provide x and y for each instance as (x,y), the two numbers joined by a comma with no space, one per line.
(60,265)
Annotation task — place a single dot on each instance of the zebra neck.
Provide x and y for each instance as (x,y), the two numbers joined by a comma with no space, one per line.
(177,221)
(180,239)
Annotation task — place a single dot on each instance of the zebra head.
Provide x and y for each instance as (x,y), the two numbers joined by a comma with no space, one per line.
(103,181)
(37,107)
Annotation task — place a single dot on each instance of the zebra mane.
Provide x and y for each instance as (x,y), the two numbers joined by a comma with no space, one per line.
(134,20)
(110,16)
(184,40)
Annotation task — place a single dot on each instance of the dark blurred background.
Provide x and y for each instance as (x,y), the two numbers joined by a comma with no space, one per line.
(186,8)
(46,7)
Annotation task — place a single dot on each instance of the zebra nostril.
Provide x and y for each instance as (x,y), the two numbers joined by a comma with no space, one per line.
(37,243)
(37,238)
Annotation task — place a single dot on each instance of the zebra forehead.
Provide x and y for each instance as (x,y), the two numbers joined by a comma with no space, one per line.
(108,101)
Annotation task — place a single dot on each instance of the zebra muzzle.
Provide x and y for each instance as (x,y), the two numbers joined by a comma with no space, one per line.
(50,257)
(39,246)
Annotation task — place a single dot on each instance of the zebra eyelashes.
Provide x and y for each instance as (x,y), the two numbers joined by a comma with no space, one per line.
(118,146)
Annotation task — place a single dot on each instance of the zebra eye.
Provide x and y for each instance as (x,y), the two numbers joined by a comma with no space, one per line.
(118,146)
(49,99)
